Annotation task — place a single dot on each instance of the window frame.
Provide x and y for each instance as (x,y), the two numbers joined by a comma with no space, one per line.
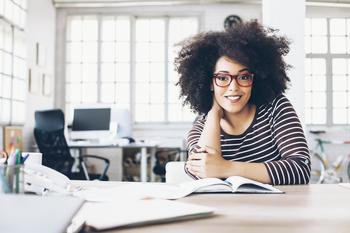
(15,27)
(133,16)
(327,13)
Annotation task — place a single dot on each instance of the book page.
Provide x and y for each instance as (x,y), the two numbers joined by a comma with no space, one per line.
(206,185)
(245,185)
(176,191)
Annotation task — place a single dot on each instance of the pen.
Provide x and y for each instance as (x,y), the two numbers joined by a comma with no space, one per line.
(17,169)
(18,156)
(12,159)
(24,158)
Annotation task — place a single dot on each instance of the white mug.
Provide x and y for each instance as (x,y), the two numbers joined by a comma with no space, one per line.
(32,157)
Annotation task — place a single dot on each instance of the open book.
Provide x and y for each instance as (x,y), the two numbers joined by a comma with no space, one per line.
(233,184)
(137,191)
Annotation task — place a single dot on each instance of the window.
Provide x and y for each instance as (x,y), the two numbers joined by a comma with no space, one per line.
(12,61)
(81,61)
(127,61)
(115,61)
(327,66)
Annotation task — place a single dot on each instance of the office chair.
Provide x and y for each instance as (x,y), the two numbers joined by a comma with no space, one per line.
(162,158)
(49,136)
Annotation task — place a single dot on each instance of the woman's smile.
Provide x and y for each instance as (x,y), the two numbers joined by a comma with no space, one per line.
(233,98)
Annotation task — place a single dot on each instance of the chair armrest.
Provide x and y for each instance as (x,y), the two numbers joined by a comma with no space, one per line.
(96,157)
(107,162)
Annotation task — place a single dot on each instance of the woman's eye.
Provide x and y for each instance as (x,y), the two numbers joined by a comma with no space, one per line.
(244,77)
(222,78)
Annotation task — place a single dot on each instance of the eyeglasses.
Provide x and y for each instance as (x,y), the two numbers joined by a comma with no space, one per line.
(224,79)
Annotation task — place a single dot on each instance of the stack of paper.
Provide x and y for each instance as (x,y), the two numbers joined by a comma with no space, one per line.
(124,213)
(130,191)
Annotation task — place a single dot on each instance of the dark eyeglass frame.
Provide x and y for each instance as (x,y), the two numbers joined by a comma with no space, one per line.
(235,77)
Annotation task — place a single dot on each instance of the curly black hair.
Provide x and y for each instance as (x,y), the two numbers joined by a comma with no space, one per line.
(251,45)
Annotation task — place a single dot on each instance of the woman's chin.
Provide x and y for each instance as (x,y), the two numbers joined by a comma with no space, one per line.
(233,110)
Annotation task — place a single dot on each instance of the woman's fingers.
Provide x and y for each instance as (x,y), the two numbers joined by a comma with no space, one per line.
(195,171)
(195,156)
(200,150)
(195,163)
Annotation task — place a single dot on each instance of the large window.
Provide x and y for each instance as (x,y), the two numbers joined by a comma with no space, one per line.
(81,66)
(12,61)
(327,43)
(127,61)
(115,61)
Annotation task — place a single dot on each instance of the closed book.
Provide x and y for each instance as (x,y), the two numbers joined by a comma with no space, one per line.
(132,213)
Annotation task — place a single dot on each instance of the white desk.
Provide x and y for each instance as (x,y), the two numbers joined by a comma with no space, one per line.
(81,145)
(303,208)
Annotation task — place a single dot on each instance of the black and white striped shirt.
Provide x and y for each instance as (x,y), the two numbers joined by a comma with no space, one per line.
(274,138)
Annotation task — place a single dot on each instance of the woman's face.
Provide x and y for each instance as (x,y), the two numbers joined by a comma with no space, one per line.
(232,98)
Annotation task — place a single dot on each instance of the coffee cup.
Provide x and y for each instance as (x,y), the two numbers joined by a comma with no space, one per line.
(32,157)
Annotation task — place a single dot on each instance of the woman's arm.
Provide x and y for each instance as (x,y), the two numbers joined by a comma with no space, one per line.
(294,165)
(210,135)
(207,161)
(204,133)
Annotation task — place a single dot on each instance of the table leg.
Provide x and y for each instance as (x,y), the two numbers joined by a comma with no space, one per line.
(153,163)
(143,166)
(76,152)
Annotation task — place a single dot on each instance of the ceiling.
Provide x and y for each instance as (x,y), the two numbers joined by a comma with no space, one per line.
(124,3)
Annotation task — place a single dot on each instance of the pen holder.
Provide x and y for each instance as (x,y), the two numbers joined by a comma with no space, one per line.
(11,178)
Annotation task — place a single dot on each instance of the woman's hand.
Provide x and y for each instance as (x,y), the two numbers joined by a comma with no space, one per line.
(207,162)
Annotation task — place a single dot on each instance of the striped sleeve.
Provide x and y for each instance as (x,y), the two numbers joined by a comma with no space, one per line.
(294,165)
(195,133)
(193,138)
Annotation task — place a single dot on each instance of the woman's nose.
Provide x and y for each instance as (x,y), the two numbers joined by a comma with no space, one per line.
(233,85)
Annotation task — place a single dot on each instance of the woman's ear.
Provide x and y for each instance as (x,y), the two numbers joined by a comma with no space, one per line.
(211,87)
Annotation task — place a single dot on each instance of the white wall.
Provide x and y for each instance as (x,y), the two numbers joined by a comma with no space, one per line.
(40,29)
(282,20)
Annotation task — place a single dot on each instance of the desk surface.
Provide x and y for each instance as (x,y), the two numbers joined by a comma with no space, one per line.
(87,144)
(311,208)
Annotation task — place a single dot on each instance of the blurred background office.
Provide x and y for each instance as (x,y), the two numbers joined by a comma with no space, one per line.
(91,54)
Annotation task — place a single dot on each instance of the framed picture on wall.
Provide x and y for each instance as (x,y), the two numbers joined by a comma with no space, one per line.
(35,81)
(40,55)
(47,84)
(13,138)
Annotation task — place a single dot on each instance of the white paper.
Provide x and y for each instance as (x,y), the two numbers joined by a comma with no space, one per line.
(137,212)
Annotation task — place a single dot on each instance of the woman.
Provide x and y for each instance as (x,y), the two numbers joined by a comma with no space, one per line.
(236,80)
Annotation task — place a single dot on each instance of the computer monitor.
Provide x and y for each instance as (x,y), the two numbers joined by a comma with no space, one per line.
(121,122)
(91,123)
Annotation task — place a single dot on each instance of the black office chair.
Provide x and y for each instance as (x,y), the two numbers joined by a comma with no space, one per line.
(49,136)
(164,156)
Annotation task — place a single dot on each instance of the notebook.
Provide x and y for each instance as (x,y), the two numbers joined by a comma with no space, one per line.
(39,214)
(131,213)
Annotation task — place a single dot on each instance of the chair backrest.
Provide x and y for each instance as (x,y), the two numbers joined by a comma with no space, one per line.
(49,136)
(49,120)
